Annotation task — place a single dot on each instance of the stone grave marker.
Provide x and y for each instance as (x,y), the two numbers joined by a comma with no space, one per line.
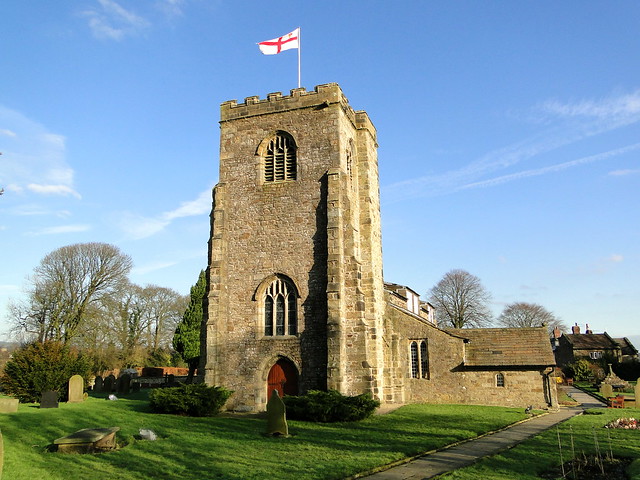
(108,384)
(76,389)
(98,384)
(124,383)
(88,440)
(606,390)
(637,392)
(276,416)
(49,399)
(8,405)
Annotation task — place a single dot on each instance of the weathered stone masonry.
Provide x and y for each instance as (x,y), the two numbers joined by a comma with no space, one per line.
(312,228)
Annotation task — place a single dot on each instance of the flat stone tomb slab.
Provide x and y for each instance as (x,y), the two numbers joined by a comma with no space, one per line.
(88,440)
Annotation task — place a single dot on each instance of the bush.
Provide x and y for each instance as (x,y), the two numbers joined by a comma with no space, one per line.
(582,370)
(331,406)
(197,400)
(41,366)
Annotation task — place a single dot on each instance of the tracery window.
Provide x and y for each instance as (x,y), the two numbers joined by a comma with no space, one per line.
(415,365)
(424,359)
(419,359)
(280,308)
(280,159)
(499,380)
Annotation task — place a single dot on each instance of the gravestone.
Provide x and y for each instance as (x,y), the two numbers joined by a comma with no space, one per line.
(88,440)
(171,378)
(76,389)
(97,384)
(49,399)
(8,405)
(637,392)
(606,390)
(107,386)
(124,383)
(276,416)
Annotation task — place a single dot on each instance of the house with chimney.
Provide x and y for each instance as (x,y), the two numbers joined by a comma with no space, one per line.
(568,348)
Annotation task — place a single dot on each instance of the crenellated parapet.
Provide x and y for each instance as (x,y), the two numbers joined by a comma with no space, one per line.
(322,96)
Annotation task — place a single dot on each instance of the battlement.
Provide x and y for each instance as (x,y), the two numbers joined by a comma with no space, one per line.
(322,96)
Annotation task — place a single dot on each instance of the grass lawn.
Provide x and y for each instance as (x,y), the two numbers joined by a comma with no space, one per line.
(229,447)
(533,457)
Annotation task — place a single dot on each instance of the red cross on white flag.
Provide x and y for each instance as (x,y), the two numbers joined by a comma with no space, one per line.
(277,45)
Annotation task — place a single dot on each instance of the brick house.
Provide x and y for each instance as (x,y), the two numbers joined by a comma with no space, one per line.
(296,298)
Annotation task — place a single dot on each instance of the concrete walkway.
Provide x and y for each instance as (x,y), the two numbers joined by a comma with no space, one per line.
(464,454)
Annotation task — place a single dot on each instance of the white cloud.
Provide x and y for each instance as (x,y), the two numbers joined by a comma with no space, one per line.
(550,169)
(622,173)
(52,190)
(139,227)
(612,107)
(171,8)
(61,230)
(567,124)
(111,21)
(616,258)
(7,133)
(199,206)
(34,159)
(152,267)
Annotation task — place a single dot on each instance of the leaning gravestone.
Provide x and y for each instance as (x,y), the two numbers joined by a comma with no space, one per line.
(76,389)
(107,386)
(606,390)
(8,405)
(124,383)
(276,416)
(49,399)
(97,384)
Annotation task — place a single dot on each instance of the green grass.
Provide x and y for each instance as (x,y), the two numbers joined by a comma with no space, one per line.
(533,457)
(230,447)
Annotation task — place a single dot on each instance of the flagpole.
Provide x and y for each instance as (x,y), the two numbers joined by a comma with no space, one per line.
(299,48)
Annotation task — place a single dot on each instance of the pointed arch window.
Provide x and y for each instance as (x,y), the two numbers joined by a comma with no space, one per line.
(500,380)
(280,308)
(419,359)
(280,162)
(415,364)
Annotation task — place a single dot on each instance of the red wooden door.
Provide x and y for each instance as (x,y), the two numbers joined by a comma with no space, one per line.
(283,377)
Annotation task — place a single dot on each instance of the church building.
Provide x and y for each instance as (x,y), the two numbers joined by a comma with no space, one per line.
(296,298)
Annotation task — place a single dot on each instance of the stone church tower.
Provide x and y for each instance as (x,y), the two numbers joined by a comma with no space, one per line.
(295,288)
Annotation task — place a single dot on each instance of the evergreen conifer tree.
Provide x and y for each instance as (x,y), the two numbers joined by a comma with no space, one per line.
(186,340)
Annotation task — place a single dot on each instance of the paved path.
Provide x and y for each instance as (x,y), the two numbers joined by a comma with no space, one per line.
(469,452)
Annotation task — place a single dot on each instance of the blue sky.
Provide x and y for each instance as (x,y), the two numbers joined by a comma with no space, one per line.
(509,135)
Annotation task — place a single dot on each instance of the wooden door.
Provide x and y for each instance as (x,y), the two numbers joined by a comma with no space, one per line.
(283,377)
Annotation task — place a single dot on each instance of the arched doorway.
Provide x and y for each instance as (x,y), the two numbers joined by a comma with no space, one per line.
(283,377)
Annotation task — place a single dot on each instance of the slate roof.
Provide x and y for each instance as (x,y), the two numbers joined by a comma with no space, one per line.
(591,341)
(627,346)
(501,347)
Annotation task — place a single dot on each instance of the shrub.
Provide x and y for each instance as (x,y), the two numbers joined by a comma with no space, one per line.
(41,366)
(196,400)
(331,406)
(582,370)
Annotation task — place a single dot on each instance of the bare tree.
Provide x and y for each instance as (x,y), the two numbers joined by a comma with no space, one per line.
(522,314)
(461,300)
(66,285)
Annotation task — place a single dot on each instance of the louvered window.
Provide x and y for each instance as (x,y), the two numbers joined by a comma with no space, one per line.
(280,159)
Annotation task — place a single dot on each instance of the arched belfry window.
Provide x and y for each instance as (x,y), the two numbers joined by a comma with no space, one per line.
(280,161)
(280,300)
